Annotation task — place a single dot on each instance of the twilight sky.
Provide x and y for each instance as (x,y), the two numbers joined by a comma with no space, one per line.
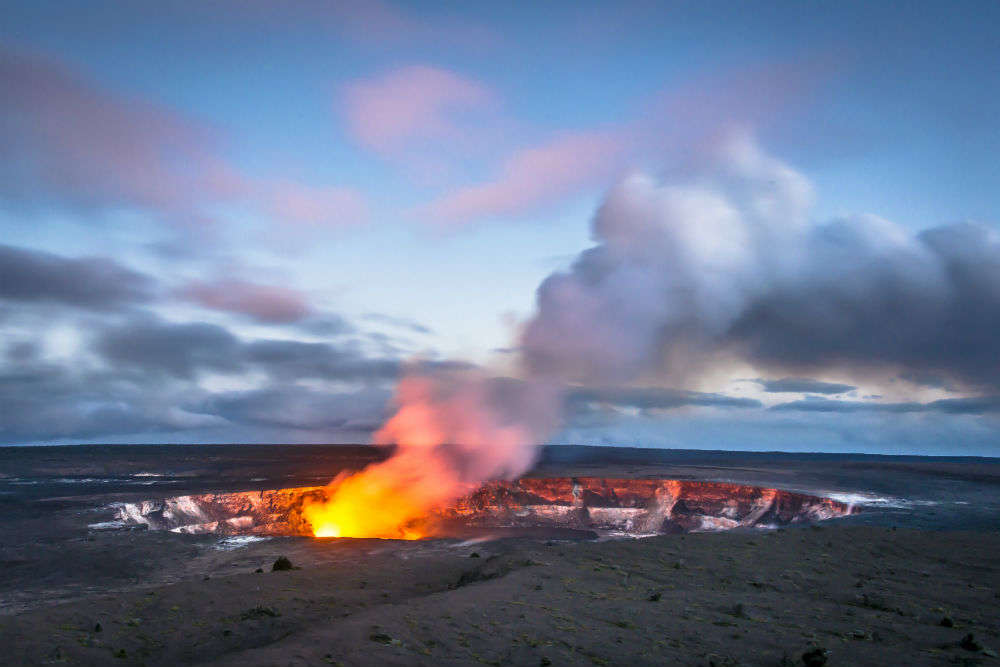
(722,225)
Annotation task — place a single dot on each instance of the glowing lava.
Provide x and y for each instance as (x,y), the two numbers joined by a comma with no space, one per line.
(394,499)
(388,500)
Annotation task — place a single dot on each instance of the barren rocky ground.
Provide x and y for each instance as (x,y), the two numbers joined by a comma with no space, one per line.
(867,595)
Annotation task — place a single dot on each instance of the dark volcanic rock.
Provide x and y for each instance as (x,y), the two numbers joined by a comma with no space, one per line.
(969,643)
(281,564)
(492,568)
(259,612)
(815,657)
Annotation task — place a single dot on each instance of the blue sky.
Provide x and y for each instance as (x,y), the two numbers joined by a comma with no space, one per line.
(387,181)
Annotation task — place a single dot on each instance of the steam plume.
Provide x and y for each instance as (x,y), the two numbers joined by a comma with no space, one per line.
(723,264)
(727,265)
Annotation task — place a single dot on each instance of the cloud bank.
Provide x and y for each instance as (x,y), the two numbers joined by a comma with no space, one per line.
(34,276)
(84,355)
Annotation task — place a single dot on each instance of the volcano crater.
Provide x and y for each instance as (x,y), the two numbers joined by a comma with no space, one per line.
(582,507)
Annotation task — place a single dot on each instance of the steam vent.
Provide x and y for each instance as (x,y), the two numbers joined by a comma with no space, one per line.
(580,507)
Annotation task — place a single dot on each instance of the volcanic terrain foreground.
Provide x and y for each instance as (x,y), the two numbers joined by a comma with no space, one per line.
(78,587)
(869,595)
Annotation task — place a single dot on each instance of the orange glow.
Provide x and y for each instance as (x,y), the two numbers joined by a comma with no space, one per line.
(384,500)
(393,499)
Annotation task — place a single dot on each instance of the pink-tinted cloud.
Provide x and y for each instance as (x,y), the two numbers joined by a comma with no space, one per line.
(326,206)
(65,141)
(674,123)
(534,176)
(80,145)
(264,303)
(412,104)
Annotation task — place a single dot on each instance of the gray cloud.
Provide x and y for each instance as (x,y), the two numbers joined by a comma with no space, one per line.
(96,283)
(927,380)
(264,303)
(967,406)
(22,351)
(803,385)
(300,408)
(728,264)
(180,350)
(45,401)
(789,430)
(925,304)
(651,398)
(957,406)
(828,405)
(327,324)
(398,322)
(184,350)
(294,359)
(149,385)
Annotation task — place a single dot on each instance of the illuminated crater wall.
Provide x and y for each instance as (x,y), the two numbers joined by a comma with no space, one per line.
(602,506)
(638,506)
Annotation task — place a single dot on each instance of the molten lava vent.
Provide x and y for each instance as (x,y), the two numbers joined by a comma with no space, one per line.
(593,505)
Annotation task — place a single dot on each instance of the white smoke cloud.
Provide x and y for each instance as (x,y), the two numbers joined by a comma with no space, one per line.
(726,264)
(674,262)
